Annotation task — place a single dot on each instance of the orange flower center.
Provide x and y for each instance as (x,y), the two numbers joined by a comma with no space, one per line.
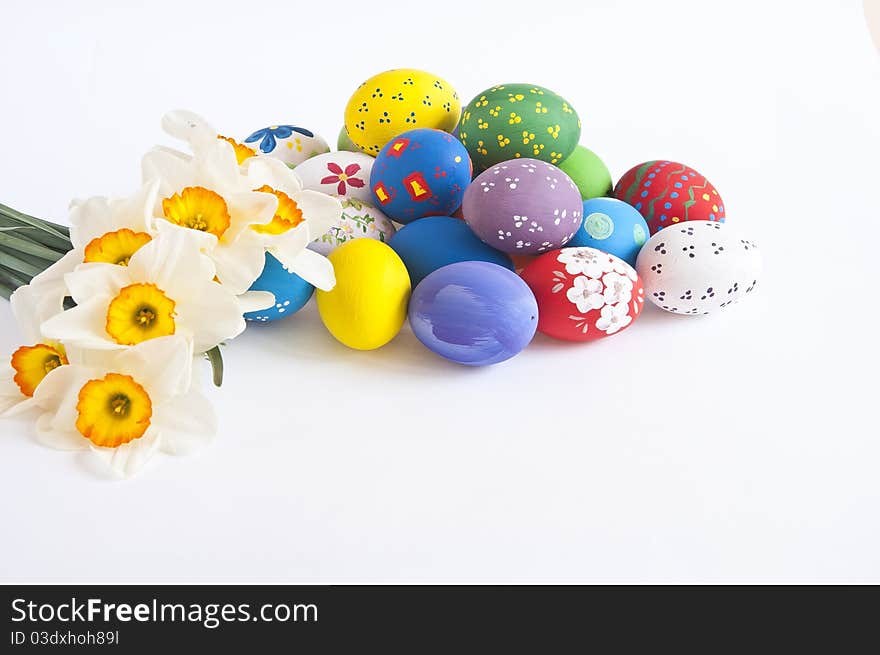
(242,152)
(287,216)
(198,208)
(33,363)
(115,247)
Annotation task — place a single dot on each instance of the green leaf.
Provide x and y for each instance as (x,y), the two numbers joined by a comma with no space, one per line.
(20,264)
(52,228)
(14,243)
(5,290)
(216,360)
(14,278)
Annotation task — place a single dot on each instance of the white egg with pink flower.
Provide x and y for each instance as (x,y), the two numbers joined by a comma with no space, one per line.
(344,174)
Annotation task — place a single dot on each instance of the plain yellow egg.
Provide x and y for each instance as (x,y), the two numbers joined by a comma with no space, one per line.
(396,101)
(367,307)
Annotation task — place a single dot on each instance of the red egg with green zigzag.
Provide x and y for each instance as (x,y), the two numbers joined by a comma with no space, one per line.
(666,193)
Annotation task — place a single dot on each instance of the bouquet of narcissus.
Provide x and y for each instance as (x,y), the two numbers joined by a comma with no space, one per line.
(117,309)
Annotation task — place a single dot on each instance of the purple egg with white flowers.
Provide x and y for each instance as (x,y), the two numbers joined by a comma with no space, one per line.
(474,313)
(523,207)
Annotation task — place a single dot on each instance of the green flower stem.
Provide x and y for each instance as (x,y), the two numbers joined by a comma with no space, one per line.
(216,360)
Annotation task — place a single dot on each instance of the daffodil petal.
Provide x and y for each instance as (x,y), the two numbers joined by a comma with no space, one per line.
(186,422)
(212,317)
(173,170)
(274,173)
(129,458)
(12,400)
(83,325)
(254,301)
(188,126)
(251,208)
(44,296)
(240,263)
(173,261)
(57,395)
(163,366)
(320,211)
(96,279)
(313,267)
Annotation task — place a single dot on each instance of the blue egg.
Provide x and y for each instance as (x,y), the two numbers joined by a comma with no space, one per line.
(421,172)
(436,241)
(291,291)
(611,226)
(474,313)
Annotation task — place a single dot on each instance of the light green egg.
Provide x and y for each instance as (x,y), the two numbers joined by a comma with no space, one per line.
(588,172)
(343,142)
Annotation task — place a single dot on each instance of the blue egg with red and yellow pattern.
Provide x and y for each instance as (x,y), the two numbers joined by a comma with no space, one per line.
(291,292)
(422,172)
(612,226)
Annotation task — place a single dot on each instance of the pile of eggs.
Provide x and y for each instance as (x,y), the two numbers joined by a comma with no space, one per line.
(483,224)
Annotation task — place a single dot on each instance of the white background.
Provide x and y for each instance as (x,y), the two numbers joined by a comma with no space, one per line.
(736,447)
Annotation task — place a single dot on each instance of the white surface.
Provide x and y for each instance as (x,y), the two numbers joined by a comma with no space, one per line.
(737,447)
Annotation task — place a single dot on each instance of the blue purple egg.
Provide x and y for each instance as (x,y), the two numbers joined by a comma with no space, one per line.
(523,207)
(422,172)
(437,241)
(473,313)
(612,226)
(291,292)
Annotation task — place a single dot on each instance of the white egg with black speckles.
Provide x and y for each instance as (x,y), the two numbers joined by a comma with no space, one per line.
(698,267)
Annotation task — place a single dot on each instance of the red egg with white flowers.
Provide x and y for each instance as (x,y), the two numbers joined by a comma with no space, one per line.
(584,294)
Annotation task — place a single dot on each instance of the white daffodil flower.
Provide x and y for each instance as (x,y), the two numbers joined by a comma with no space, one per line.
(101,230)
(302,216)
(23,371)
(223,171)
(206,194)
(167,288)
(125,405)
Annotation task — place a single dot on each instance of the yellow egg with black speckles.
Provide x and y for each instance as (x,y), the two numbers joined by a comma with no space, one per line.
(398,100)
(367,307)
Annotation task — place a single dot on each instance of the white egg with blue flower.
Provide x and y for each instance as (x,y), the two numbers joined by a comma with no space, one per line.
(290,290)
(289,143)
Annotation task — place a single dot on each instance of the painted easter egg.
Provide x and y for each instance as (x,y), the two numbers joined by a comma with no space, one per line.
(357,220)
(584,294)
(343,142)
(291,144)
(367,307)
(510,121)
(396,101)
(291,292)
(667,193)
(589,173)
(612,226)
(343,174)
(474,313)
(698,267)
(523,206)
(437,241)
(421,172)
